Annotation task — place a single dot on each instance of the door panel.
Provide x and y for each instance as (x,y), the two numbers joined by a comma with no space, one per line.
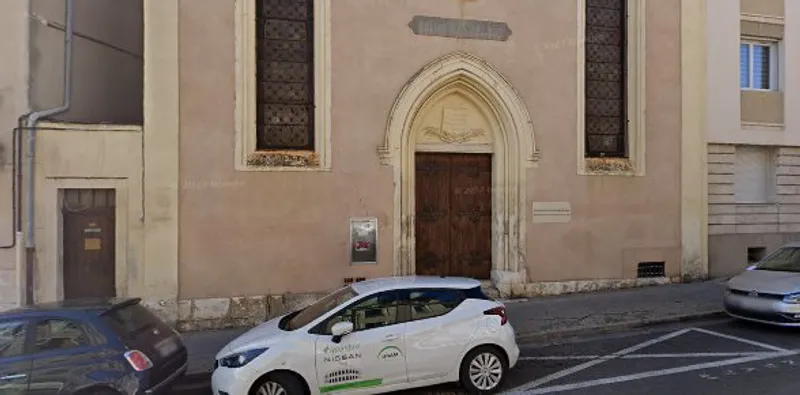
(89,264)
(453,223)
(15,362)
(62,357)
(432,222)
(372,356)
(471,216)
(366,359)
(440,328)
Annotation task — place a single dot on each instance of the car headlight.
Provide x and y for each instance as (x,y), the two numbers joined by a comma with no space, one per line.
(241,358)
(792,298)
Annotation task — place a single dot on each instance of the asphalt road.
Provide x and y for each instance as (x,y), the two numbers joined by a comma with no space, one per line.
(706,358)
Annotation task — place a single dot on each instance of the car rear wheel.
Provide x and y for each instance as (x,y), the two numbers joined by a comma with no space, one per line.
(279,383)
(483,370)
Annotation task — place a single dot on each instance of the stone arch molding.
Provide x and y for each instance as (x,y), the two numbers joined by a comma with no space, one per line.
(513,146)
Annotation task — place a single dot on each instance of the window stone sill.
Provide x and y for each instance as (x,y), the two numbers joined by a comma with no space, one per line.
(608,167)
(282,161)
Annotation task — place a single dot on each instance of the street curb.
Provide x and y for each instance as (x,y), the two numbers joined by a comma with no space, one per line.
(545,336)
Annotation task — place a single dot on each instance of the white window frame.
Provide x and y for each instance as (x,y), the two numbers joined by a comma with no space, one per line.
(774,69)
(246,70)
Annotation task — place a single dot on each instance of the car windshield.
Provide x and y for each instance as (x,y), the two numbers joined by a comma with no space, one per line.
(320,308)
(786,259)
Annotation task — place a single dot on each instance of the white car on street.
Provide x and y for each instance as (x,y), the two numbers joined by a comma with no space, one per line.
(373,337)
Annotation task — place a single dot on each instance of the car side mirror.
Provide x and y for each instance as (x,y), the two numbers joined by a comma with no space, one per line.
(340,329)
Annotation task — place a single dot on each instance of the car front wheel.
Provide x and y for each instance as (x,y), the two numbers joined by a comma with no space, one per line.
(483,370)
(279,383)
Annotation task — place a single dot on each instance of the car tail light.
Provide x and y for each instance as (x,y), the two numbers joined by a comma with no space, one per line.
(499,311)
(138,360)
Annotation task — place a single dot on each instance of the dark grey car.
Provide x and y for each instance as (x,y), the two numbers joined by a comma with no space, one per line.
(88,347)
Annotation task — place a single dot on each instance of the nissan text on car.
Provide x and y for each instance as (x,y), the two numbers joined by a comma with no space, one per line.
(373,337)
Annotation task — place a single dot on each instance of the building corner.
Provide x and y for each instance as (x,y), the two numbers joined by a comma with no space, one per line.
(694,188)
(158,284)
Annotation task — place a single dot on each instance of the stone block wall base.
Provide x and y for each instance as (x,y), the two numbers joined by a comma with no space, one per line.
(519,290)
(247,311)
(237,312)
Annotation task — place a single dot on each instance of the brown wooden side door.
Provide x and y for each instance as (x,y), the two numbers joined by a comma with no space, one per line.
(453,223)
(89,259)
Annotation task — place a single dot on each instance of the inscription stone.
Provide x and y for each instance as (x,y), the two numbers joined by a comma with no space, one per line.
(459,28)
(551,212)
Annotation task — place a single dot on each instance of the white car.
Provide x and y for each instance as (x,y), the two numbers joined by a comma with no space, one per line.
(372,337)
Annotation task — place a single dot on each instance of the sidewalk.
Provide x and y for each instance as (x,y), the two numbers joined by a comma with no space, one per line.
(553,317)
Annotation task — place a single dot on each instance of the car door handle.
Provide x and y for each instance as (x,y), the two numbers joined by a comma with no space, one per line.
(13,377)
(389,338)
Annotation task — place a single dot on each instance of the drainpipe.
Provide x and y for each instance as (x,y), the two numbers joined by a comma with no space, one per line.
(14,207)
(31,121)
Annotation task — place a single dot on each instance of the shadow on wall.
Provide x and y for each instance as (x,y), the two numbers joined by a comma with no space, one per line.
(108,60)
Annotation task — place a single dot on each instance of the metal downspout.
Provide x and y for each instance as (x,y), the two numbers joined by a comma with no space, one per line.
(32,119)
(14,207)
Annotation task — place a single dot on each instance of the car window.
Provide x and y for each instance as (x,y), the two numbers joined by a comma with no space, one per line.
(786,259)
(58,334)
(429,303)
(372,312)
(12,338)
(320,308)
(131,320)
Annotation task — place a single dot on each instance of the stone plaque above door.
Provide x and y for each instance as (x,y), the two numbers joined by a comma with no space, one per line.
(459,28)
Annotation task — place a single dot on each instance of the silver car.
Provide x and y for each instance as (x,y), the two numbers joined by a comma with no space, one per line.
(769,291)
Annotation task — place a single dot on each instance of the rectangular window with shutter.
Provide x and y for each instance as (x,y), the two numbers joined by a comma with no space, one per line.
(754,175)
(758,65)
(285,74)
(606,60)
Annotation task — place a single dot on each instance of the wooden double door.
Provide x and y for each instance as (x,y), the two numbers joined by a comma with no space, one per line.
(453,214)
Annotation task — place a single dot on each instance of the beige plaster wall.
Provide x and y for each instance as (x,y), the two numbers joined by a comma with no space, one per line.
(267,233)
(758,118)
(107,68)
(13,103)
(762,107)
(88,156)
(763,7)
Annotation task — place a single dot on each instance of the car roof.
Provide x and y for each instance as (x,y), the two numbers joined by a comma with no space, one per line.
(84,305)
(406,282)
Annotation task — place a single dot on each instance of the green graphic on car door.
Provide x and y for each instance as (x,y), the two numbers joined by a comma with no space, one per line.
(345,360)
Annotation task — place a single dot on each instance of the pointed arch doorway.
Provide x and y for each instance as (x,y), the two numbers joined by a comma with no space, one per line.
(461,114)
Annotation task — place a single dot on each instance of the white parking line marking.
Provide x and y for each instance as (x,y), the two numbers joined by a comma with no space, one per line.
(563,357)
(655,373)
(534,387)
(586,365)
(739,339)
(644,356)
(700,355)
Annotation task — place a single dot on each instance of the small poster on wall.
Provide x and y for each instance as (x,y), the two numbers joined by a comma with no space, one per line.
(363,241)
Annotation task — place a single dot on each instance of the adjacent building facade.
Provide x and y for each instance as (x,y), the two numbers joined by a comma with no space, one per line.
(753,134)
(75,149)
(289,147)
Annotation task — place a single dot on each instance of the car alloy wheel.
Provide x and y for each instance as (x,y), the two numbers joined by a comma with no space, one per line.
(485,371)
(271,388)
